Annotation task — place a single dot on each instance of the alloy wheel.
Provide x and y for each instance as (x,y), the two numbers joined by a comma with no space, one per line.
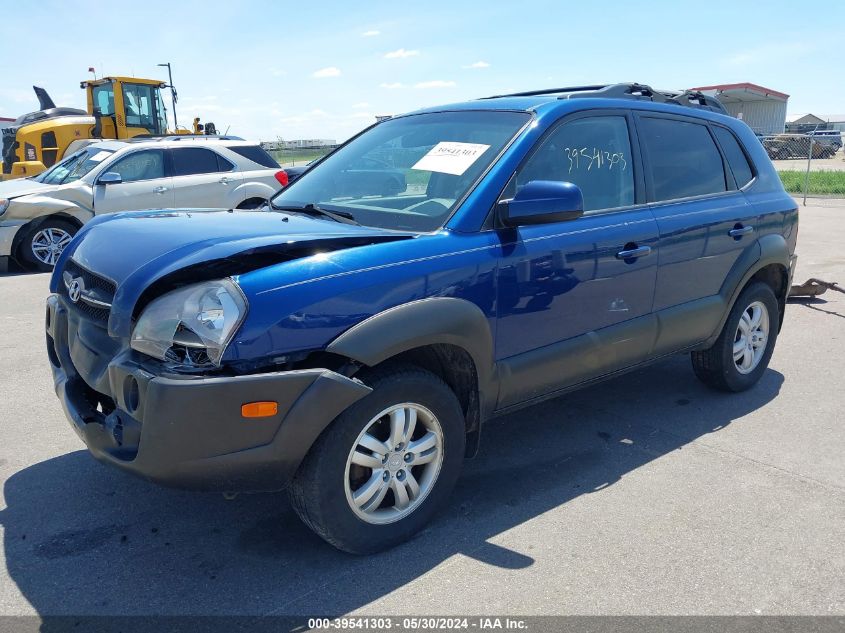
(48,244)
(394,463)
(751,338)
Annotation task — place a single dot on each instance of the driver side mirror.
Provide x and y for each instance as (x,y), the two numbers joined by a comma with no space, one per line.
(542,202)
(110,178)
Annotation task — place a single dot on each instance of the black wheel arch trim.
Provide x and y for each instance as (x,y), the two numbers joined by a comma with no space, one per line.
(430,321)
(765,251)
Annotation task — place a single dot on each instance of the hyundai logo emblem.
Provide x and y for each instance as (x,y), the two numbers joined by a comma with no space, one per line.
(74,290)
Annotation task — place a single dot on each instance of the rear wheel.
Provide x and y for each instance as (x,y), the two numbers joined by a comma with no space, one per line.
(382,469)
(740,355)
(43,243)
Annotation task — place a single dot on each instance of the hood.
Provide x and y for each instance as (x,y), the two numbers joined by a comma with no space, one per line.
(23,187)
(149,252)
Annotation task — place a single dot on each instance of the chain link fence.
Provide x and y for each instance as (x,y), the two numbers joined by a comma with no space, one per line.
(810,165)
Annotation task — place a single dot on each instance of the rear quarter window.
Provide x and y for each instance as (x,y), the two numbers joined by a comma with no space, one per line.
(256,154)
(737,160)
(683,159)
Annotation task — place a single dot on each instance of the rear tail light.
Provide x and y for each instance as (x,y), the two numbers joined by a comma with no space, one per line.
(282,177)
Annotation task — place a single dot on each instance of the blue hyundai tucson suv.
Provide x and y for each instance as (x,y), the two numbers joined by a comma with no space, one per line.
(440,268)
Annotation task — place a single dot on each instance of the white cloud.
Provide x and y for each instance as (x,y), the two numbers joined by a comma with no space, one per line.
(363,104)
(400,54)
(437,83)
(478,64)
(278,72)
(391,86)
(331,71)
(372,33)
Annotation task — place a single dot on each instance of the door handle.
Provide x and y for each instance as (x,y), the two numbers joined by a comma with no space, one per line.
(739,231)
(633,253)
(160,189)
(224,180)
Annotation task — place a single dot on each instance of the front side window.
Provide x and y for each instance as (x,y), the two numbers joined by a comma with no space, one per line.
(190,161)
(593,153)
(682,157)
(143,165)
(407,173)
(74,166)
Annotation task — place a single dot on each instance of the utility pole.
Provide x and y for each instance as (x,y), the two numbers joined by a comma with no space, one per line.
(172,94)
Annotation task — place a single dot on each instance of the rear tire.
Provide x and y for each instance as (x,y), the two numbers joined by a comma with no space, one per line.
(340,472)
(740,355)
(43,243)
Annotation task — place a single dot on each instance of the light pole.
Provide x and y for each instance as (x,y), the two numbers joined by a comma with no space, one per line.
(172,94)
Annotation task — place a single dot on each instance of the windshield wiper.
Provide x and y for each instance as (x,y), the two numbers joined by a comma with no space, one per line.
(313,210)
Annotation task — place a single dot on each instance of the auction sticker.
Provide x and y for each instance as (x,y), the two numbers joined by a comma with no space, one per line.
(96,158)
(451,157)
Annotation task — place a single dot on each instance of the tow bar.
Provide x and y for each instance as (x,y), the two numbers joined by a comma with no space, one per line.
(813,288)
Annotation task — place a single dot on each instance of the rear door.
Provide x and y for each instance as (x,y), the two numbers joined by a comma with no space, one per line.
(570,306)
(704,220)
(145,183)
(202,178)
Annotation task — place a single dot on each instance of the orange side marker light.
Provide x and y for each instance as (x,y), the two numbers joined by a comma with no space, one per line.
(259,409)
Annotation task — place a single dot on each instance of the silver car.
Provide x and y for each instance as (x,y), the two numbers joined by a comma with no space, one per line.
(40,215)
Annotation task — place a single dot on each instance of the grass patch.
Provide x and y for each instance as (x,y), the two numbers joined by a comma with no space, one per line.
(287,158)
(820,183)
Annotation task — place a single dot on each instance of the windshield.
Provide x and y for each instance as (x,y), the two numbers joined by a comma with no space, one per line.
(74,166)
(407,173)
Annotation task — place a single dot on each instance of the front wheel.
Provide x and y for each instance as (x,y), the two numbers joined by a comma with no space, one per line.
(43,243)
(382,469)
(740,355)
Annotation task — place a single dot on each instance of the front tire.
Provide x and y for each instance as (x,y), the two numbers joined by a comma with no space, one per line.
(43,243)
(740,355)
(381,470)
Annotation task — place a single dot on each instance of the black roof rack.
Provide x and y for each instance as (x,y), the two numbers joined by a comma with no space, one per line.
(688,98)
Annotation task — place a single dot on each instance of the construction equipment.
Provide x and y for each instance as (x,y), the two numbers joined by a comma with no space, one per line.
(118,108)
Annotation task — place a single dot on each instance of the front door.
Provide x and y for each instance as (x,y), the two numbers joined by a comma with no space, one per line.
(144,184)
(571,305)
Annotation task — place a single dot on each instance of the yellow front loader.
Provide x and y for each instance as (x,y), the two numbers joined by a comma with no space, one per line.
(118,108)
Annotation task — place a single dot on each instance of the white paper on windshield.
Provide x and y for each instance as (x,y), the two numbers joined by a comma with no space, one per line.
(96,158)
(451,157)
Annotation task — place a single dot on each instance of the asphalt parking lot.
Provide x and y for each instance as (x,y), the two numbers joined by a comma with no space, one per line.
(648,494)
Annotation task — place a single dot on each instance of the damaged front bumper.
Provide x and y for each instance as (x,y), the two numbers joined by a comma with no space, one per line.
(189,432)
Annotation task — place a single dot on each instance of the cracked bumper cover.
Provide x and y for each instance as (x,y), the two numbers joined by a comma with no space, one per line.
(189,432)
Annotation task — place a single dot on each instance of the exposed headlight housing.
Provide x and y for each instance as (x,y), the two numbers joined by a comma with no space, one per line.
(191,326)
(4,204)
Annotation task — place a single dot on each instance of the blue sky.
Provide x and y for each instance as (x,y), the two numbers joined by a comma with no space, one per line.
(324,69)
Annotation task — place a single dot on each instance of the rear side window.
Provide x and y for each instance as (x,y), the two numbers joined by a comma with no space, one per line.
(188,161)
(256,154)
(736,157)
(683,159)
(593,153)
